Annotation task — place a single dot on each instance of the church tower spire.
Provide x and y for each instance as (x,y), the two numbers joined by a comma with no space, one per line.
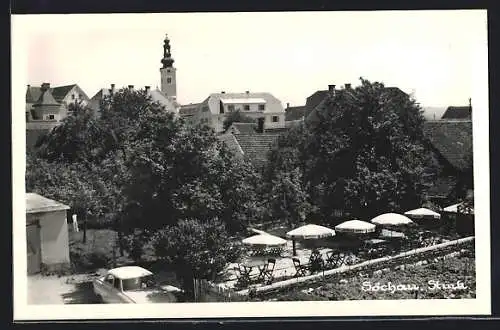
(168,71)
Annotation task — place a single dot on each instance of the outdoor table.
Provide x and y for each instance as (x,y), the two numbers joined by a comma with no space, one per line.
(249,265)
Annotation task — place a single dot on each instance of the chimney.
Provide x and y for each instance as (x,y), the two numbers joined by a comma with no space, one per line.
(223,92)
(28,86)
(112,89)
(288,105)
(347,86)
(45,86)
(247,92)
(147,88)
(331,89)
(131,87)
(260,124)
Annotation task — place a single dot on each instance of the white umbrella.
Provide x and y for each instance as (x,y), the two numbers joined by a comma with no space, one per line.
(391,219)
(355,226)
(264,240)
(454,209)
(422,213)
(311,232)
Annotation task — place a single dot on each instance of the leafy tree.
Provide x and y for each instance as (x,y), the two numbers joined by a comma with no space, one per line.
(287,198)
(198,250)
(236,117)
(364,153)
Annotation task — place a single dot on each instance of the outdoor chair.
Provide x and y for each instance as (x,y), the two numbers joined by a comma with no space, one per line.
(300,270)
(244,275)
(333,259)
(316,262)
(268,273)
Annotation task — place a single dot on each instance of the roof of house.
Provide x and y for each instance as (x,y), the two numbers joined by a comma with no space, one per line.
(230,141)
(36,204)
(463,112)
(316,100)
(158,96)
(452,139)
(189,109)
(258,97)
(256,146)
(294,113)
(33,94)
(60,92)
(46,98)
(243,128)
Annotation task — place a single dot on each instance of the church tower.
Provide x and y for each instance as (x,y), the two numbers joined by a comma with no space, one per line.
(167,71)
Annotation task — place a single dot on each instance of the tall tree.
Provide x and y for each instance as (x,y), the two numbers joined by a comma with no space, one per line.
(364,153)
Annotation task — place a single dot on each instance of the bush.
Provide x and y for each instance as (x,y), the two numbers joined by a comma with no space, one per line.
(85,260)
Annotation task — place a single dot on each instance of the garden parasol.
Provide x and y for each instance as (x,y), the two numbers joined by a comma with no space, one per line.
(423,213)
(355,227)
(456,208)
(309,231)
(264,240)
(391,220)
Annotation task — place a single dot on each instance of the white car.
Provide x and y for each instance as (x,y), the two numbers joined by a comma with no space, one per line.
(132,285)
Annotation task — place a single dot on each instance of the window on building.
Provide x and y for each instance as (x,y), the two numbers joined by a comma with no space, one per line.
(276,119)
(50,117)
(169,80)
(73,96)
(205,109)
(230,108)
(262,107)
(246,107)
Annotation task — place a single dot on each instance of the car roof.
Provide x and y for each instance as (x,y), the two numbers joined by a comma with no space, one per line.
(129,272)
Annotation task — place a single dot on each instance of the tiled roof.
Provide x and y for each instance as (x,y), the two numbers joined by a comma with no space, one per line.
(452,139)
(314,100)
(36,203)
(242,128)
(60,92)
(46,98)
(189,109)
(294,113)
(458,113)
(231,142)
(33,94)
(277,130)
(158,96)
(256,146)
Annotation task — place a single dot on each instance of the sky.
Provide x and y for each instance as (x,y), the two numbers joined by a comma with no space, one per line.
(429,54)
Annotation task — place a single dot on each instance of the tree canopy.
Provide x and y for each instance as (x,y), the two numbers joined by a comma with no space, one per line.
(364,153)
